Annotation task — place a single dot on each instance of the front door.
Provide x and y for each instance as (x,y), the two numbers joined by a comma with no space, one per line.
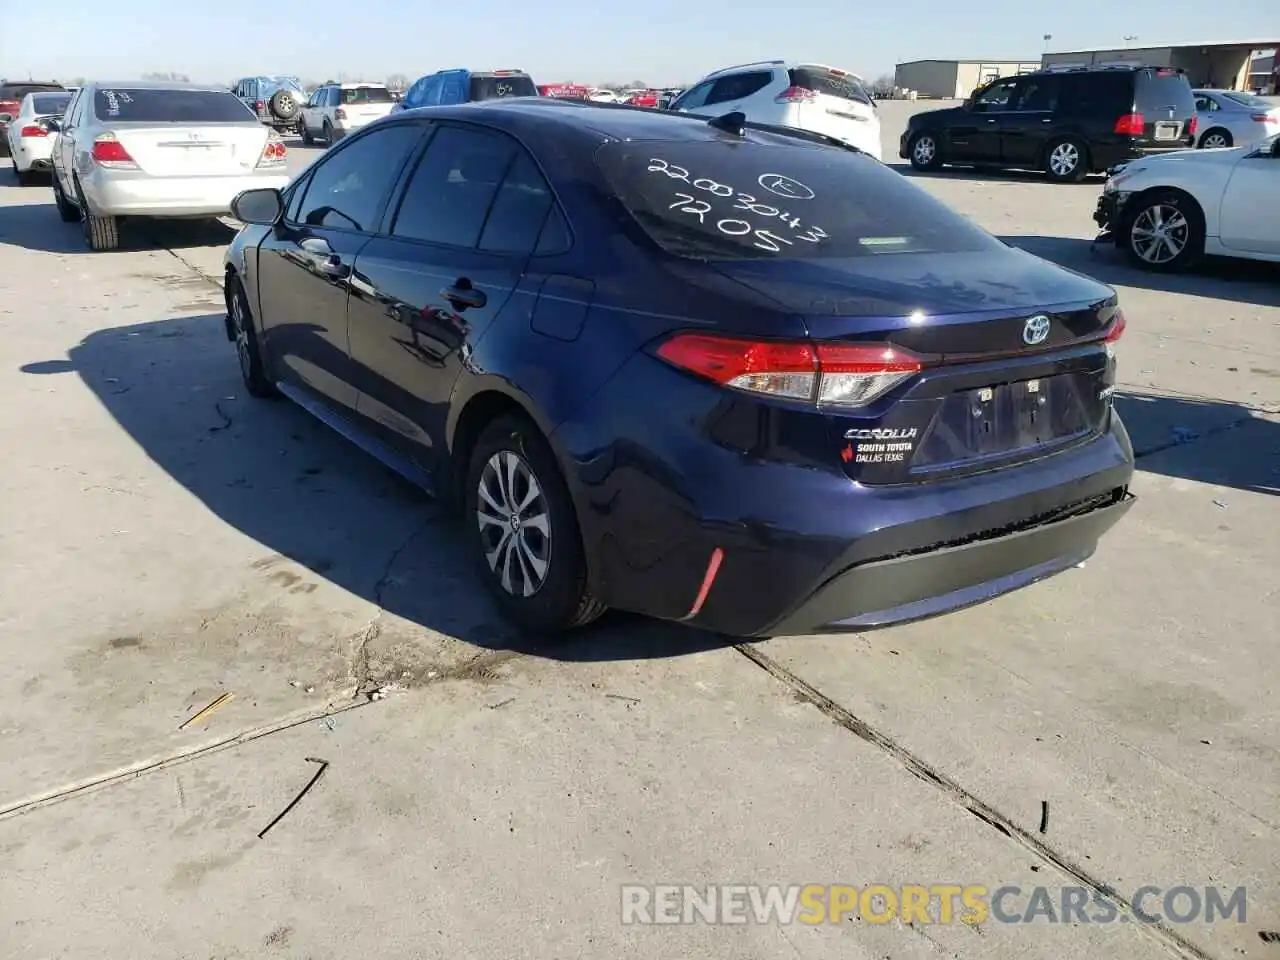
(1246,221)
(470,216)
(305,264)
(974,136)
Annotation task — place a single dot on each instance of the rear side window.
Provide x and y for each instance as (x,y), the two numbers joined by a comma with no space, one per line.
(366,95)
(1160,90)
(1249,100)
(492,88)
(1100,95)
(713,200)
(833,83)
(519,210)
(1037,93)
(449,194)
(169,106)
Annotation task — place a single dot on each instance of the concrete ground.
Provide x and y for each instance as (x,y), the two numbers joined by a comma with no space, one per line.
(166,540)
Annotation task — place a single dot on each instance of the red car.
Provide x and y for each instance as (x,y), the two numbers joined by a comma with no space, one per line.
(643,98)
(565,91)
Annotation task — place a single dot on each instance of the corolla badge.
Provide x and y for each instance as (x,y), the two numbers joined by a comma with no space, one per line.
(1035,330)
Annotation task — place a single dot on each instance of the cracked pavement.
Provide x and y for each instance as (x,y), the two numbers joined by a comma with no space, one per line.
(166,540)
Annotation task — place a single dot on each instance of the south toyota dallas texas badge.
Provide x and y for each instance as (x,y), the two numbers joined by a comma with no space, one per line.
(1035,330)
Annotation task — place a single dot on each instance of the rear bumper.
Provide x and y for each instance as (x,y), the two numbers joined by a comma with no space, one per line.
(32,153)
(801,548)
(114,195)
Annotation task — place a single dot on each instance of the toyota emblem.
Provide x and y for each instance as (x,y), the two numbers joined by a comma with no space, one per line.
(1036,330)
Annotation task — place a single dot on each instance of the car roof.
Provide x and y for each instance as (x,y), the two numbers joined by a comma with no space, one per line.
(604,121)
(357,84)
(156,85)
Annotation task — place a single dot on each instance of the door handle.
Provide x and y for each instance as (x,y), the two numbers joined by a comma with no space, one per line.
(991,121)
(1047,120)
(463,295)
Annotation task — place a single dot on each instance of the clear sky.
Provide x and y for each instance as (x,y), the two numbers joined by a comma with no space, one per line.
(658,41)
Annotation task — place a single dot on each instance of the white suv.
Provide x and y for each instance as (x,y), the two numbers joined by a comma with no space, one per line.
(337,109)
(808,96)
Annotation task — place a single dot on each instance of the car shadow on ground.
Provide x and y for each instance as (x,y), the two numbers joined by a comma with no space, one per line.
(1175,437)
(37,226)
(1219,278)
(271,471)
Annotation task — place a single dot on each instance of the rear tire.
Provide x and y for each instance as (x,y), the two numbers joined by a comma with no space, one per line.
(533,565)
(68,212)
(1066,160)
(327,133)
(305,132)
(1215,138)
(1163,231)
(924,152)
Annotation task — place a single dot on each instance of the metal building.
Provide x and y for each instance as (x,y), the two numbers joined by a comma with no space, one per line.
(955,79)
(1223,65)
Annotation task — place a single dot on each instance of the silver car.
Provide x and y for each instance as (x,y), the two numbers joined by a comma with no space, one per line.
(1233,118)
(158,149)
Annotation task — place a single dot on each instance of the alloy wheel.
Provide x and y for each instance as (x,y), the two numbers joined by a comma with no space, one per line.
(924,150)
(1160,233)
(240,323)
(1214,141)
(1064,159)
(515,523)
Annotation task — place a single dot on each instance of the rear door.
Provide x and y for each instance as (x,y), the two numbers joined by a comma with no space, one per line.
(458,242)
(1026,126)
(182,133)
(305,265)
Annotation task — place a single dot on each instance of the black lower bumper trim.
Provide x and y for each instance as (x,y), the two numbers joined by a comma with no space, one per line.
(919,585)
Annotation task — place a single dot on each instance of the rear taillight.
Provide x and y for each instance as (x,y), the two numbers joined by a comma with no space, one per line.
(339,114)
(1192,125)
(841,374)
(33,131)
(259,105)
(1266,117)
(796,95)
(274,154)
(110,152)
(1116,330)
(1131,124)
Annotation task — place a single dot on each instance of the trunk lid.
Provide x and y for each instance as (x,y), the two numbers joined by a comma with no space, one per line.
(193,150)
(986,396)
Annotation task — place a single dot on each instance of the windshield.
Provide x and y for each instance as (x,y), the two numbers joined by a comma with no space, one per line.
(1250,101)
(170,106)
(366,95)
(711,200)
(50,104)
(491,88)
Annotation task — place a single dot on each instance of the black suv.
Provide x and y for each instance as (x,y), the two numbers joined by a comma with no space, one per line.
(1067,122)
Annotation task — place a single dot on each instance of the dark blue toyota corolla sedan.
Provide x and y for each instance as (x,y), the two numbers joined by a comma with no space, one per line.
(738,376)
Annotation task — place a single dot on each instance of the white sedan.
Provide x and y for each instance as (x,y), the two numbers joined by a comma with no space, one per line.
(1168,211)
(29,135)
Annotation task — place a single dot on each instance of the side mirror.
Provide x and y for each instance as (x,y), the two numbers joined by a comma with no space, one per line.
(262,206)
(6,117)
(54,124)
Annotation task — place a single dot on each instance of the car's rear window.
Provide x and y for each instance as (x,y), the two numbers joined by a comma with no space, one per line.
(1250,101)
(50,104)
(833,83)
(1162,89)
(491,88)
(169,106)
(719,200)
(366,95)
(16,91)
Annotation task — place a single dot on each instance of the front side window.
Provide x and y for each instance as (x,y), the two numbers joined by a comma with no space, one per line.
(350,186)
(996,96)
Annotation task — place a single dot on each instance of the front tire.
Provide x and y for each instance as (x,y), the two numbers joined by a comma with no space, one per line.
(525,531)
(924,152)
(244,334)
(1067,161)
(1164,231)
